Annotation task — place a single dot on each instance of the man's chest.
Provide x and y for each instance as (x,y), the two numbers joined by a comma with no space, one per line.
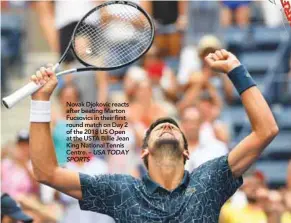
(190,205)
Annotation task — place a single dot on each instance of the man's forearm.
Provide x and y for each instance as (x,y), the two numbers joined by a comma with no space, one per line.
(43,157)
(42,152)
(259,113)
(264,129)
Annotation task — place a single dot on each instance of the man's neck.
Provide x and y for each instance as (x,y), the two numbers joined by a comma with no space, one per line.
(167,173)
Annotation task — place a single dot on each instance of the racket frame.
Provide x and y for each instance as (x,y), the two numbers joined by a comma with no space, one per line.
(31,87)
(89,66)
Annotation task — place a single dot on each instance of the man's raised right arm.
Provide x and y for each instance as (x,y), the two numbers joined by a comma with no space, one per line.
(42,153)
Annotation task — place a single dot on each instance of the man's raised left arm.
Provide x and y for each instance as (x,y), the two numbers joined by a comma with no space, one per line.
(264,127)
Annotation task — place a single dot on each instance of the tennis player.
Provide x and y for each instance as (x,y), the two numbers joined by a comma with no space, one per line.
(167,193)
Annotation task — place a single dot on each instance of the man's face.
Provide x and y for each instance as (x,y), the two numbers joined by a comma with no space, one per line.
(166,131)
(165,143)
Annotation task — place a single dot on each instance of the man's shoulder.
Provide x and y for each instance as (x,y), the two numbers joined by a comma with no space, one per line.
(218,170)
(215,164)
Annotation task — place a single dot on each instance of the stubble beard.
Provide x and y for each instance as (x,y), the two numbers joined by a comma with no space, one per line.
(167,153)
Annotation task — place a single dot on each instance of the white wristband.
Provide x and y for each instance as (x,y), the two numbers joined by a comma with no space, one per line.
(40,111)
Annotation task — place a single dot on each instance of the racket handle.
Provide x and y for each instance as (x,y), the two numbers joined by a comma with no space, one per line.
(21,93)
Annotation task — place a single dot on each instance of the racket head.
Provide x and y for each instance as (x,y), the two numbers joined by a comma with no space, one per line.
(112,35)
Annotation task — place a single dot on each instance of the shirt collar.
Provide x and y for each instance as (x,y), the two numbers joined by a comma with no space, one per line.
(153,186)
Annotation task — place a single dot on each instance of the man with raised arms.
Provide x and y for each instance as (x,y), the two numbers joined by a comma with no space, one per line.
(167,193)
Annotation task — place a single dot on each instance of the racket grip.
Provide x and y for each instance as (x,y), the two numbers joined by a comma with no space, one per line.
(21,93)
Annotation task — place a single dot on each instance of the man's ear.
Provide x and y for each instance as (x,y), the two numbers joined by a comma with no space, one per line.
(186,154)
(144,153)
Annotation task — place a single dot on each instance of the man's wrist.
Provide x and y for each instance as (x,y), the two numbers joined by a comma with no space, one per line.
(233,66)
(40,97)
(241,79)
(40,111)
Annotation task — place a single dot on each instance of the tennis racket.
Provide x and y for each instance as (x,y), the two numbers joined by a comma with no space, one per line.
(110,36)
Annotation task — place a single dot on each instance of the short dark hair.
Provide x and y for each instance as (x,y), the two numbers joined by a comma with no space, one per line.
(152,126)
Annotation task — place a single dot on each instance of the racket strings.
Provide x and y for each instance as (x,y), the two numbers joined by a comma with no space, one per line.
(123,48)
(112,36)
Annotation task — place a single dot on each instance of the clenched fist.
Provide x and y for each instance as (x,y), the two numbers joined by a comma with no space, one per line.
(47,78)
(222,61)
